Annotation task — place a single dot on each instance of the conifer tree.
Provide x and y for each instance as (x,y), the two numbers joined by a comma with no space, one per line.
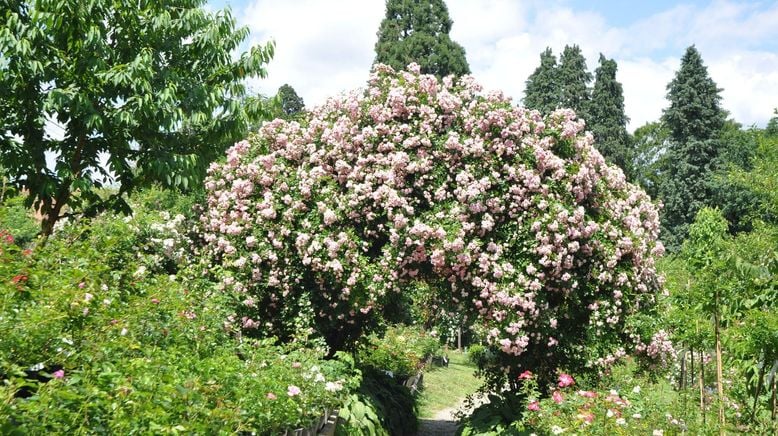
(607,119)
(574,81)
(694,120)
(542,86)
(418,31)
(291,103)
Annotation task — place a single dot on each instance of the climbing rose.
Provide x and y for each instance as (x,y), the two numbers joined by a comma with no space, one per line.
(514,219)
(534,405)
(557,396)
(565,380)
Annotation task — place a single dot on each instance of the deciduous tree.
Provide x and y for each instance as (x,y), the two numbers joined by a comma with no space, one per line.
(118,91)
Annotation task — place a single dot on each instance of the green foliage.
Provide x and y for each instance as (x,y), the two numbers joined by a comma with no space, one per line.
(152,86)
(18,220)
(694,120)
(574,79)
(402,350)
(141,350)
(649,158)
(418,31)
(607,119)
(543,87)
(292,105)
(761,179)
(381,407)
(772,126)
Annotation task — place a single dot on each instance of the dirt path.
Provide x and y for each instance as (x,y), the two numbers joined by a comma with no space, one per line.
(443,423)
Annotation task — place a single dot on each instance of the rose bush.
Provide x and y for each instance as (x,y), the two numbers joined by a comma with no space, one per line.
(511,218)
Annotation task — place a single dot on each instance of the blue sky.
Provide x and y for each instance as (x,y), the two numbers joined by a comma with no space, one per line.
(324,47)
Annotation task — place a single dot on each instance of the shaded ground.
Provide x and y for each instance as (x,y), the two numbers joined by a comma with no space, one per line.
(443,423)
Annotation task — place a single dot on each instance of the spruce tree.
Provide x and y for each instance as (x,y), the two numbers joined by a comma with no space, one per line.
(542,86)
(694,120)
(418,31)
(574,81)
(607,120)
(291,103)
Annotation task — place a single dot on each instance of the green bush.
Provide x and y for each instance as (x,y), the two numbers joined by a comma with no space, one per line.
(104,331)
(402,351)
(18,220)
(379,401)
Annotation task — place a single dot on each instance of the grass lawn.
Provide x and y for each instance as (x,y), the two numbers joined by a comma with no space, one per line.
(445,387)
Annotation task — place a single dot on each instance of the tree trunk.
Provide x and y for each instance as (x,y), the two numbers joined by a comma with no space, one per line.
(719,376)
(774,401)
(682,378)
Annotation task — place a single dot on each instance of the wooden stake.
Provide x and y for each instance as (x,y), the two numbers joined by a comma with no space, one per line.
(702,387)
(719,376)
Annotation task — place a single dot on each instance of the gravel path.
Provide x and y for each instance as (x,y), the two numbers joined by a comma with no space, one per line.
(444,423)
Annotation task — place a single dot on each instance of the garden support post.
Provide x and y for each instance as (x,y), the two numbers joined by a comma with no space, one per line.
(702,387)
(758,388)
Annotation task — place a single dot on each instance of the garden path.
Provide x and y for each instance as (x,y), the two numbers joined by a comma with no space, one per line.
(444,423)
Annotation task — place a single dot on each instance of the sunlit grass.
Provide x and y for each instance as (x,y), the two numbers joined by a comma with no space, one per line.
(445,387)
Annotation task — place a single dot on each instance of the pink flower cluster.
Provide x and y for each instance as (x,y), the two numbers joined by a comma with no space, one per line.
(660,351)
(515,218)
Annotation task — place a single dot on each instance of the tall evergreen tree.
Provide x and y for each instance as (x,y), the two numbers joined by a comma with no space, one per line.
(542,86)
(418,31)
(291,103)
(574,81)
(695,121)
(607,119)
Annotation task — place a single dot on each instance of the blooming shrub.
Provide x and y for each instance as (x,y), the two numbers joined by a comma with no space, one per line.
(571,410)
(90,345)
(510,217)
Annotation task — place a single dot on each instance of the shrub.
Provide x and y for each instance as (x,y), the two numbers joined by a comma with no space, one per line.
(402,351)
(18,220)
(97,336)
(379,400)
(511,218)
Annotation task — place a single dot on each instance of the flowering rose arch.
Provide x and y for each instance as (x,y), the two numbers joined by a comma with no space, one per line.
(514,218)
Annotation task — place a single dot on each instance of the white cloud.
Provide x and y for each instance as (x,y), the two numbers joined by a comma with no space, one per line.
(325,47)
(322,47)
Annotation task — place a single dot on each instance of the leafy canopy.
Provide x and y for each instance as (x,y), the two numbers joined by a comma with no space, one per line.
(694,121)
(118,92)
(607,118)
(418,31)
(542,87)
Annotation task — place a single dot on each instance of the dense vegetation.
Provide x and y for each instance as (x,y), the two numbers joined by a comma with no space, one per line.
(326,259)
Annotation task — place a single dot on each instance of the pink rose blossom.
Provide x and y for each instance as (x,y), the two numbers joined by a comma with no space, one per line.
(565,380)
(293,391)
(59,374)
(534,406)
